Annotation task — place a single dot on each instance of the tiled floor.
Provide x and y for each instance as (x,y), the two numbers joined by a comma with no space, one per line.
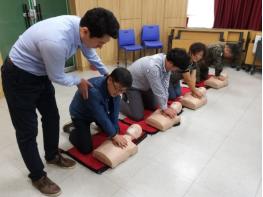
(215,152)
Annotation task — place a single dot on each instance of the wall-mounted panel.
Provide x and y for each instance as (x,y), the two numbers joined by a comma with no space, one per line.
(153,12)
(169,24)
(108,52)
(175,8)
(130,9)
(83,6)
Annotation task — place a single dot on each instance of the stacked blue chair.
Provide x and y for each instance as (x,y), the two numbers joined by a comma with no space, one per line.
(127,42)
(150,37)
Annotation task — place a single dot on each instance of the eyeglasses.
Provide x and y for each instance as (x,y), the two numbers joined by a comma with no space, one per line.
(118,89)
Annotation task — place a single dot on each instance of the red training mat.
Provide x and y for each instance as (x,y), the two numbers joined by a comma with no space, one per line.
(88,160)
(146,128)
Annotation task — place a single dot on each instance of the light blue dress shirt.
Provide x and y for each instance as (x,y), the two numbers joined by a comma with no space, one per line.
(44,48)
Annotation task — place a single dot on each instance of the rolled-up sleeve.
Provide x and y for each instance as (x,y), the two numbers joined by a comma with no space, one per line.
(94,59)
(53,55)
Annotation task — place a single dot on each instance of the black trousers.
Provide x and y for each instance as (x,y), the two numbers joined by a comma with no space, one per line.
(25,93)
(134,102)
(80,137)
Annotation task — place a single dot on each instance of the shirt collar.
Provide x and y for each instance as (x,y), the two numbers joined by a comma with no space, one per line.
(163,66)
(77,34)
(105,91)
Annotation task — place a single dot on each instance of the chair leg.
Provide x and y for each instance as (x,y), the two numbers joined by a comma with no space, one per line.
(118,57)
(133,56)
(140,53)
(125,57)
(253,67)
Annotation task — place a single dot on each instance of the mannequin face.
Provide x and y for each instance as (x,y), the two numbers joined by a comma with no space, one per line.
(114,88)
(93,42)
(197,56)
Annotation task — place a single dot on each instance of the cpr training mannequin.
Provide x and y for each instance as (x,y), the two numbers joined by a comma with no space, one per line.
(112,155)
(216,83)
(163,122)
(191,102)
(135,131)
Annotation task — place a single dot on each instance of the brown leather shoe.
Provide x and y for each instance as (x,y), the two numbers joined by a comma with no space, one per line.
(62,162)
(47,187)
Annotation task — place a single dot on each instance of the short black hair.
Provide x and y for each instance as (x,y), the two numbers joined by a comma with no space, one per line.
(100,22)
(197,47)
(179,58)
(122,76)
(236,50)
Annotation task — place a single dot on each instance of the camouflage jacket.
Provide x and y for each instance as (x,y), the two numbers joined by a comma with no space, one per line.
(215,57)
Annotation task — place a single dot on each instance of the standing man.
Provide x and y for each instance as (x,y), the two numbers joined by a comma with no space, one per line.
(35,61)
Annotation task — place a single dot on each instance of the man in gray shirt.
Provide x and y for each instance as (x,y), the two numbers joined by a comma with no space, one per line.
(151,75)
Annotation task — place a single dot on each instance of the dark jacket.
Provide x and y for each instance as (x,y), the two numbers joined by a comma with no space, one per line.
(100,107)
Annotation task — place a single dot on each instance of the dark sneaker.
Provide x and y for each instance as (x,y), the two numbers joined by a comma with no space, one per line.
(47,187)
(68,127)
(62,162)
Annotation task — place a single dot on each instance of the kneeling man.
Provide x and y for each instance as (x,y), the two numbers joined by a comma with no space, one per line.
(151,75)
(102,107)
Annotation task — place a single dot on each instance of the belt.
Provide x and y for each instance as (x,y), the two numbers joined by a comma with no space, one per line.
(9,60)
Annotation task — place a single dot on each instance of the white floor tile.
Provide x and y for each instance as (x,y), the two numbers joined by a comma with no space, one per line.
(259,192)
(156,180)
(122,193)
(215,152)
(83,182)
(199,191)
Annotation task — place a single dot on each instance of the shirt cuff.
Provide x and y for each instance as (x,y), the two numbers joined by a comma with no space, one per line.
(218,72)
(113,135)
(164,107)
(104,71)
(77,81)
